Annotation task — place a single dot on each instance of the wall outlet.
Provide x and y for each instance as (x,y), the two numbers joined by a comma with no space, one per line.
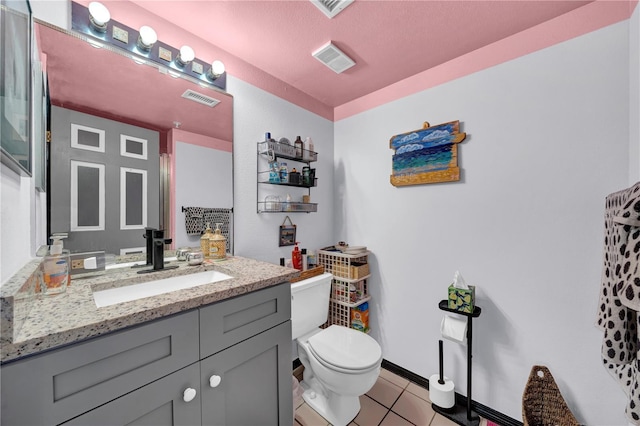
(77,263)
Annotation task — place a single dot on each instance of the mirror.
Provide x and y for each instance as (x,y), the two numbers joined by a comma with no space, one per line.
(15,90)
(106,85)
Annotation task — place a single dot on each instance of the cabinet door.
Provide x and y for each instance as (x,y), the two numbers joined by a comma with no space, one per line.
(252,382)
(159,403)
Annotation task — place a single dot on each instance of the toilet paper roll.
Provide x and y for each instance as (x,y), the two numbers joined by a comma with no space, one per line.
(442,395)
(454,329)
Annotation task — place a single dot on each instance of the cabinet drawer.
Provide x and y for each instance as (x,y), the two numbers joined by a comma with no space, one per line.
(231,321)
(56,386)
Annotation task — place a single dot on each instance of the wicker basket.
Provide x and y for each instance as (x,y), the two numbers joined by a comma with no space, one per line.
(542,403)
(309,273)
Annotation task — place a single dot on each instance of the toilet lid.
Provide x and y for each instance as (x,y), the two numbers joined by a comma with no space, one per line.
(345,348)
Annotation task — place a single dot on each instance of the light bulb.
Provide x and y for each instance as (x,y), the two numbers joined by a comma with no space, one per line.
(185,56)
(147,38)
(99,16)
(216,70)
(217,67)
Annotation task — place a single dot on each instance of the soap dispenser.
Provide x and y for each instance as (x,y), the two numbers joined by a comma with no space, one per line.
(296,258)
(218,244)
(55,268)
(205,241)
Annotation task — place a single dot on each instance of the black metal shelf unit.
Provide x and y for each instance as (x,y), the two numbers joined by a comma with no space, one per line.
(273,151)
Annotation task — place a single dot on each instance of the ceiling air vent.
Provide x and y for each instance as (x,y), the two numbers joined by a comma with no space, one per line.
(331,7)
(333,57)
(200,98)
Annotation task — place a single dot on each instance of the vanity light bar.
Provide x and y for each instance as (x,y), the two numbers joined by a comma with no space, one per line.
(141,44)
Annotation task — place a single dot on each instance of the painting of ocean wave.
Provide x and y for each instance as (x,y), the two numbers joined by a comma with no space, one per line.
(428,155)
(423,160)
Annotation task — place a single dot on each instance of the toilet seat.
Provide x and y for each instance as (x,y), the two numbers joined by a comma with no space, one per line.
(345,349)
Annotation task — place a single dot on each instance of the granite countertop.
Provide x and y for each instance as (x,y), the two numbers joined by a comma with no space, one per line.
(72,316)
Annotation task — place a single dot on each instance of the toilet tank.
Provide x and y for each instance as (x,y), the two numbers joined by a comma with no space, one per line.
(309,303)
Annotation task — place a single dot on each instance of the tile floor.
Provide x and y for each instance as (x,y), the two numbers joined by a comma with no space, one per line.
(393,401)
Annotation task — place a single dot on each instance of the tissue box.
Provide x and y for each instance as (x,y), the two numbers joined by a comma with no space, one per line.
(462,300)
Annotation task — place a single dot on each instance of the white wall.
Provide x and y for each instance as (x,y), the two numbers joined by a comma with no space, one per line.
(22,212)
(634,96)
(256,112)
(547,141)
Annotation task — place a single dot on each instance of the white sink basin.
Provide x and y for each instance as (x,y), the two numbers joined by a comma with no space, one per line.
(128,293)
(140,262)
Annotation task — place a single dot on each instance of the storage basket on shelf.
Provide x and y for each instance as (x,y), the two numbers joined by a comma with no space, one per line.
(340,264)
(542,402)
(349,287)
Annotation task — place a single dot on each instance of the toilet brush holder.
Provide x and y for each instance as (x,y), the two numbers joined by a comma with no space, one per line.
(441,388)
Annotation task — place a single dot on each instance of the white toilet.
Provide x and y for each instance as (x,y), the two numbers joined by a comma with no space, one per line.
(340,363)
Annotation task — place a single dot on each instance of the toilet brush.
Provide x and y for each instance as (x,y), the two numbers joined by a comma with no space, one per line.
(441,389)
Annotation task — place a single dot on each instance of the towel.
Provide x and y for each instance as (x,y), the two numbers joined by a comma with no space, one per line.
(196,219)
(193,219)
(620,294)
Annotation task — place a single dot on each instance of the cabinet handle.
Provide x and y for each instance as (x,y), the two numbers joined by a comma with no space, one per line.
(214,381)
(189,394)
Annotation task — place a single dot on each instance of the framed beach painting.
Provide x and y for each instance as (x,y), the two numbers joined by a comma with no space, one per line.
(427,155)
(16,27)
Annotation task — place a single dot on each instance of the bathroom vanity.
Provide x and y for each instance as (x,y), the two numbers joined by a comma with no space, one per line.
(215,354)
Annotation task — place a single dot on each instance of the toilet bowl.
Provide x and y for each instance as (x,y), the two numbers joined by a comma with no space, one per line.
(340,363)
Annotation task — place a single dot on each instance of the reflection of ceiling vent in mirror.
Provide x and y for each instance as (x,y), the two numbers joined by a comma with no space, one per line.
(200,98)
(331,7)
(333,57)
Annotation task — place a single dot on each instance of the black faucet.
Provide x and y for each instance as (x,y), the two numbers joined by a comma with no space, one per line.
(148,235)
(155,250)
(158,249)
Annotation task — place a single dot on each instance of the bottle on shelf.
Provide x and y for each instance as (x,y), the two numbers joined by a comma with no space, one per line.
(274,172)
(284,172)
(299,147)
(204,241)
(294,177)
(287,203)
(306,176)
(308,147)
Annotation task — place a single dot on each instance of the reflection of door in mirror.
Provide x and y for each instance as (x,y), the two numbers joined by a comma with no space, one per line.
(104,182)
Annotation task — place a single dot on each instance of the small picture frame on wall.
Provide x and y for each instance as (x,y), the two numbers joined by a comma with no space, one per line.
(287,233)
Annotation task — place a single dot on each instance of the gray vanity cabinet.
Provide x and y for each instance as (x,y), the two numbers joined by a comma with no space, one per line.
(56,386)
(233,359)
